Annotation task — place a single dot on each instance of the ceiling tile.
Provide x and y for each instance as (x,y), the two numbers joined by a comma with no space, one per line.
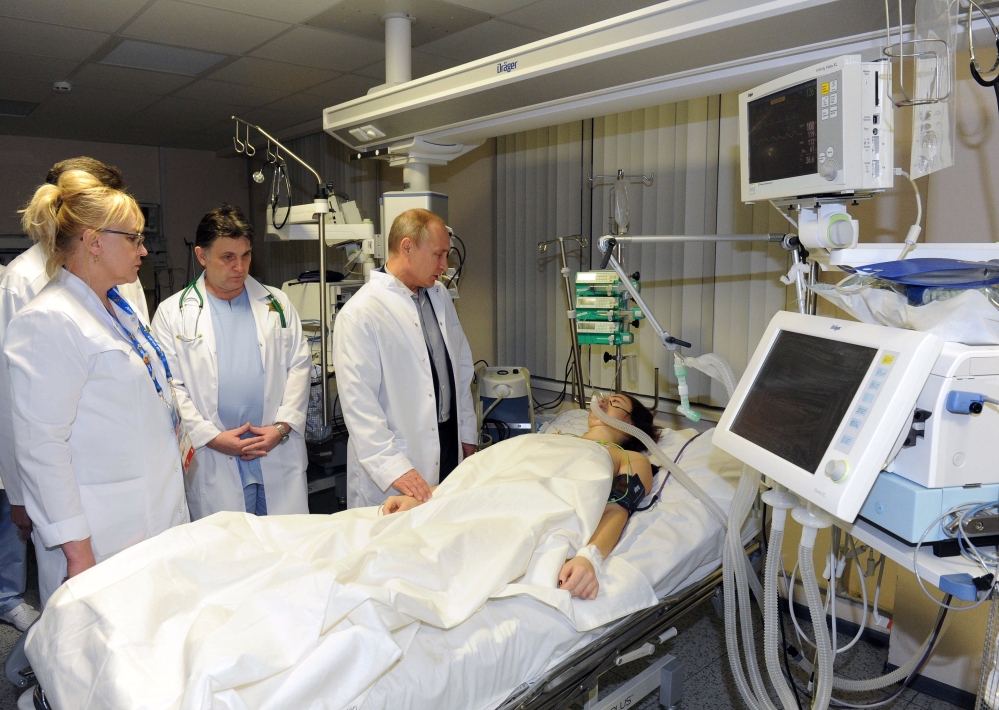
(234,94)
(42,69)
(159,57)
(102,101)
(294,11)
(104,16)
(172,22)
(343,88)
(10,125)
(46,40)
(272,121)
(323,49)
(271,75)
(482,40)
(556,16)
(21,89)
(434,18)
(186,115)
(304,105)
(102,76)
(424,63)
(493,7)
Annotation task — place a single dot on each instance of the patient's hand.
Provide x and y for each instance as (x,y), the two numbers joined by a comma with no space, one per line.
(399,504)
(579,578)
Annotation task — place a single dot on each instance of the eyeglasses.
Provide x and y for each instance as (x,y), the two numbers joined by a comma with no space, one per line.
(611,404)
(136,239)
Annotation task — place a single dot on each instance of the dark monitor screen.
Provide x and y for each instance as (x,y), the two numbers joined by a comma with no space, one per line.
(782,140)
(801,394)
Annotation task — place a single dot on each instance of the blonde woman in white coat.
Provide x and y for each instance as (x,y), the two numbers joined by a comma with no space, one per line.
(242,372)
(92,410)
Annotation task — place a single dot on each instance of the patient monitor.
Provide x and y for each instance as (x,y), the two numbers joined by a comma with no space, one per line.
(823,403)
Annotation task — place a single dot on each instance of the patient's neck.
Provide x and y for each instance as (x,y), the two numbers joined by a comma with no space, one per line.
(609,434)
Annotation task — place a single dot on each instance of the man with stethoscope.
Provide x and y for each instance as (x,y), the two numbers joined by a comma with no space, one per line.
(242,373)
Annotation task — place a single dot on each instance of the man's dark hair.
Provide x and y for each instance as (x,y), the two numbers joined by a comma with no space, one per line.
(109,175)
(223,221)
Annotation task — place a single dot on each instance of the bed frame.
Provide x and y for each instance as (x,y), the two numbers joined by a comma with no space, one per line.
(578,677)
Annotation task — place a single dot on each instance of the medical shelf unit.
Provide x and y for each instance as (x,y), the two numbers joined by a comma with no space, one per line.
(604,314)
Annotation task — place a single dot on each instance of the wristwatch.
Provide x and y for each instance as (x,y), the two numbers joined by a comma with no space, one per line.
(285,431)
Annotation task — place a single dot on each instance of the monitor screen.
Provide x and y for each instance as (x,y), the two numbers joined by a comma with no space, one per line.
(798,400)
(782,139)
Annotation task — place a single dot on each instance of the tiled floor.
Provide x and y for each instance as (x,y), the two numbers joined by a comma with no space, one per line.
(700,644)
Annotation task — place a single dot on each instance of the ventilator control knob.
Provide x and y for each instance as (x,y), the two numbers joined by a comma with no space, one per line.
(829,170)
(837,469)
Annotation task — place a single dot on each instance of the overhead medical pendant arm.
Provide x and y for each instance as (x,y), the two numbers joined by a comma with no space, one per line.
(321,202)
(609,242)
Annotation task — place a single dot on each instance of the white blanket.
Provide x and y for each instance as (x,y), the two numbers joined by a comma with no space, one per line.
(240,612)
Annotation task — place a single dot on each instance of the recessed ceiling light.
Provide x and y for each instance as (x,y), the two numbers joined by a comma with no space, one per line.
(158,57)
(17,109)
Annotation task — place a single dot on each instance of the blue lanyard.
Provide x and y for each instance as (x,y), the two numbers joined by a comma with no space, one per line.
(123,305)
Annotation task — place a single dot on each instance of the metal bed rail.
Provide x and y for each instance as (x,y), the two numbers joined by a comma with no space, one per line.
(578,674)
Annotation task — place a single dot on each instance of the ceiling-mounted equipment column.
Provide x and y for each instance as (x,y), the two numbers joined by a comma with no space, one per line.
(398,47)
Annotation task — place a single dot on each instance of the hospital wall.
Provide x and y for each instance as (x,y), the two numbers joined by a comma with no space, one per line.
(186,183)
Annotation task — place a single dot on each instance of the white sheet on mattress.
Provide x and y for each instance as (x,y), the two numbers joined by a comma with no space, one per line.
(240,613)
(478,663)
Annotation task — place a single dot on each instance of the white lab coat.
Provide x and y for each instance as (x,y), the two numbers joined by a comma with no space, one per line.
(94,441)
(386,386)
(20,282)
(213,481)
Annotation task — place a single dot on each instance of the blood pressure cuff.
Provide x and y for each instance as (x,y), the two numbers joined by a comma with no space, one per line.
(628,492)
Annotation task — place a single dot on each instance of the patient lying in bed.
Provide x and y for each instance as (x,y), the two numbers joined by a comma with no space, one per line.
(238,611)
(632,480)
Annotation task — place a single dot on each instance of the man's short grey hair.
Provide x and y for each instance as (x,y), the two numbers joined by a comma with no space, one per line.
(413,224)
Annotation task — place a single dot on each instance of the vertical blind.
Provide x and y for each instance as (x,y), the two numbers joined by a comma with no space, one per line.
(719,297)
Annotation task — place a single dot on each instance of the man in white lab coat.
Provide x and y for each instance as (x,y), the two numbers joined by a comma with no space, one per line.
(21,281)
(242,372)
(404,370)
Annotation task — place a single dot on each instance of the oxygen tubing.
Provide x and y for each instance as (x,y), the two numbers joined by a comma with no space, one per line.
(780,501)
(737,573)
(823,645)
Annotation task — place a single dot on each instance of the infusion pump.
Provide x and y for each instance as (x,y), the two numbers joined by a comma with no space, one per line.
(823,404)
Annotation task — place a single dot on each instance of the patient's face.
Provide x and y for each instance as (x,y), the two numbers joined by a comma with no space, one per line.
(616,406)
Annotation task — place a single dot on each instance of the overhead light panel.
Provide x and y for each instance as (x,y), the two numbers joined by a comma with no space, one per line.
(157,57)
(17,109)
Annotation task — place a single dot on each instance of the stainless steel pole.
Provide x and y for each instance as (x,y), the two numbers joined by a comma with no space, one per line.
(577,365)
(322,206)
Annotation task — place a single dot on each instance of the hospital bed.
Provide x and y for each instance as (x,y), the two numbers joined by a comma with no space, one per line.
(518,653)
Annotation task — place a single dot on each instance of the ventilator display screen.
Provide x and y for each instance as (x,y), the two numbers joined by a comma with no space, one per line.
(798,400)
(782,134)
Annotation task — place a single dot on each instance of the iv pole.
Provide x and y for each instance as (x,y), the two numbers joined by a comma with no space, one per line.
(322,207)
(577,365)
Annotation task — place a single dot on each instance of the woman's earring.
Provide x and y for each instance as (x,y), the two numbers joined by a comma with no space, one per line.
(96,258)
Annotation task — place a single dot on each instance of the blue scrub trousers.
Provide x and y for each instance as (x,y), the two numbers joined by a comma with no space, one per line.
(13,560)
(254,498)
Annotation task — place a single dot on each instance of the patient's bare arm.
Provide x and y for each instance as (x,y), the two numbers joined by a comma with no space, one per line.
(577,576)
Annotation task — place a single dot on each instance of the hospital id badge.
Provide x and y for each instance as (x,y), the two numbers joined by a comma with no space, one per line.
(180,431)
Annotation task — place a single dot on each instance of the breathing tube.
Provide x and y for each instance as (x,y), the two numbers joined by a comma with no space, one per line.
(738,576)
(664,461)
(737,572)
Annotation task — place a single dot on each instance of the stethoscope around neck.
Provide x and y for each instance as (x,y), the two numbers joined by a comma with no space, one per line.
(275,304)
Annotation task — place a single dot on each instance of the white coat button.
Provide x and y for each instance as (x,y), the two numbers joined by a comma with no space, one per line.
(433,428)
